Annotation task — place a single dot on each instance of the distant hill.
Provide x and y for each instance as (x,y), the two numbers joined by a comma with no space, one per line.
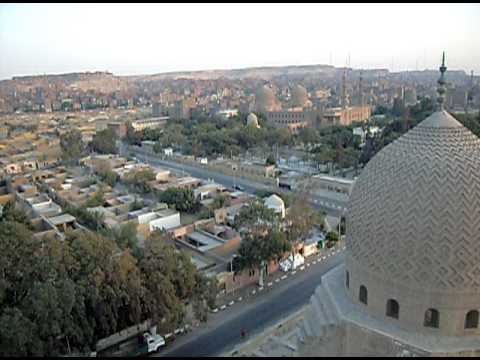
(103,82)
(265,72)
(106,82)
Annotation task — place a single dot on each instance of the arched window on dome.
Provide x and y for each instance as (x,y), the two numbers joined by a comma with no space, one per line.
(393,309)
(363,295)
(471,320)
(432,318)
(347,279)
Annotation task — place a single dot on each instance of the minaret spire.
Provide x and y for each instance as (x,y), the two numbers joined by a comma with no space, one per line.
(441,85)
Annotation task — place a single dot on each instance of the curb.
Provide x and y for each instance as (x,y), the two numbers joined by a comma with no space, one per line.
(319,259)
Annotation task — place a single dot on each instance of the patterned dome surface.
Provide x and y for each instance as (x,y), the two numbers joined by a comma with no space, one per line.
(265,98)
(299,96)
(414,213)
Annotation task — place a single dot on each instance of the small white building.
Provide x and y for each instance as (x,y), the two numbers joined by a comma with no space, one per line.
(275,203)
(363,133)
(168,151)
(157,220)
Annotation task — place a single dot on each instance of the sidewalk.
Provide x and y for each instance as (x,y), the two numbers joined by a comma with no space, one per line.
(251,291)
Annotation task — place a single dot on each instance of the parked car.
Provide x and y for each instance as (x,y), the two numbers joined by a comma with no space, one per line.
(292,263)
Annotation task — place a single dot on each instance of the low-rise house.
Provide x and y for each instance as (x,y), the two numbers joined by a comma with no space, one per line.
(208,190)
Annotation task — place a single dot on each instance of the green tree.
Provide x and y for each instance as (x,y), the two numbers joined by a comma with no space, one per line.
(271,160)
(220,201)
(256,217)
(104,142)
(72,146)
(169,278)
(300,219)
(98,199)
(13,213)
(331,238)
(139,179)
(183,199)
(256,248)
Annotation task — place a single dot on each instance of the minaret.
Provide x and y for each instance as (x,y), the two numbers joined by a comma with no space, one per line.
(441,85)
(360,89)
(470,93)
(344,88)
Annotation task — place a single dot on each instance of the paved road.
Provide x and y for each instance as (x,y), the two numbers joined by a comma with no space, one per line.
(223,330)
(332,206)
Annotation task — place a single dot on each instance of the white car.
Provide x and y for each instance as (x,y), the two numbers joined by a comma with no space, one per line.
(292,263)
(154,342)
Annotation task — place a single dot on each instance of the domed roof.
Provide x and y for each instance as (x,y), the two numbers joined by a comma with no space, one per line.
(252,120)
(299,96)
(264,98)
(414,213)
(274,200)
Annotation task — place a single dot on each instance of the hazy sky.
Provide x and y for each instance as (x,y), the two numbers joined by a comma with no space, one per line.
(151,38)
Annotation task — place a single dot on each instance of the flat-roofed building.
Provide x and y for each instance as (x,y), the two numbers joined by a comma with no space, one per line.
(150,123)
(345,116)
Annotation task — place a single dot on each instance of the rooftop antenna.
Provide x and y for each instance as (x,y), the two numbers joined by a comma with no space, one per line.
(441,85)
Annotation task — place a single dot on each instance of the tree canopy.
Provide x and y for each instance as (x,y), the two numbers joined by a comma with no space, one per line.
(58,297)
(183,199)
(104,142)
(72,146)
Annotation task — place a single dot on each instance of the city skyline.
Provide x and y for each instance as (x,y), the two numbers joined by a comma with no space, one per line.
(158,38)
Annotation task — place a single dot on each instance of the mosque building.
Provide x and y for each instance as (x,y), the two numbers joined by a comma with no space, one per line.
(410,283)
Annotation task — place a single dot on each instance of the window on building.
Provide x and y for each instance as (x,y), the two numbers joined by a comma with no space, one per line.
(432,318)
(471,320)
(363,295)
(347,279)
(393,308)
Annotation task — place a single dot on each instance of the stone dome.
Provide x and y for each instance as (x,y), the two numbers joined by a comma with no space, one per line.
(413,224)
(252,120)
(264,99)
(275,203)
(299,96)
